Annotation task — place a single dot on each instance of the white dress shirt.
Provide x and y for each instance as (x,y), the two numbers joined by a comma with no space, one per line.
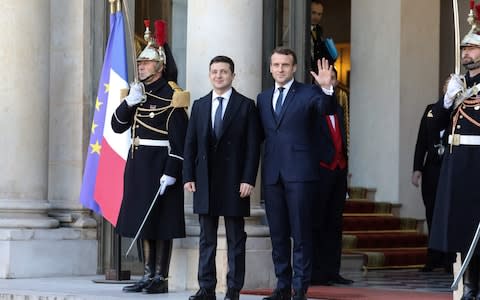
(226,98)
(285,92)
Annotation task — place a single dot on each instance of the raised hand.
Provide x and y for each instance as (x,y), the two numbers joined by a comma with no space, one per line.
(136,94)
(324,76)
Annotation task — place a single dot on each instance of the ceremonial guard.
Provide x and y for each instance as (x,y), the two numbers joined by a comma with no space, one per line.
(155,112)
(457,207)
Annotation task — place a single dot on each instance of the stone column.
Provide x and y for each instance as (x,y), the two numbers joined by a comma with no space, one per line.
(395,58)
(31,244)
(231,28)
(72,93)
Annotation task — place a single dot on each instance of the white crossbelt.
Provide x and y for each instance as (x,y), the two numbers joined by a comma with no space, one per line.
(458,139)
(147,142)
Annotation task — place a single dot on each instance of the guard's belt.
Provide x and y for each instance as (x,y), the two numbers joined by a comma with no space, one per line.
(458,139)
(146,142)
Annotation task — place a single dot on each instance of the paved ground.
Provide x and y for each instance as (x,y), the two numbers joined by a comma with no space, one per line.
(76,288)
(83,288)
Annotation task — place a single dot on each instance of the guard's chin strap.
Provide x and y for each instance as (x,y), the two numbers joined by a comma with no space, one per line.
(148,77)
(157,70)
(473,65)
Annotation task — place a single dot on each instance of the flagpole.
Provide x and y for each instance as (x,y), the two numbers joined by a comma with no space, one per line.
(131,37)
(116,274)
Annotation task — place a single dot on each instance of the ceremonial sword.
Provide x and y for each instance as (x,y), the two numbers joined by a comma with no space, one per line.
(473,245)
(160,191)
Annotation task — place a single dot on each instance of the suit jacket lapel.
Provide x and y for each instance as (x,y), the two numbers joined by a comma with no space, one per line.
(206,113)
(230,111)
(269,104)
(287,101)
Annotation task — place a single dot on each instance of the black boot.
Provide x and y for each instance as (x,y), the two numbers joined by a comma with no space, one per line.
(279,294)
(478,276)
(470,280)
(148,273)
(159,283)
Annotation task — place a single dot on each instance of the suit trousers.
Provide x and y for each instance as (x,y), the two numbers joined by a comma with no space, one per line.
(288,206)
(236,238)
(327,224)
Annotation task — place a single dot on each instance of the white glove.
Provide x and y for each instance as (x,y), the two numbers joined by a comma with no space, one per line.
(136,94)
(454,88)
(165,181)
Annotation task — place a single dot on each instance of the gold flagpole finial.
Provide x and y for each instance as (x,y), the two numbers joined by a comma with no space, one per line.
(112,6)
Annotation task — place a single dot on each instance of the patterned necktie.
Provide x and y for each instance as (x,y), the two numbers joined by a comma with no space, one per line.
(278,105)
(217,123)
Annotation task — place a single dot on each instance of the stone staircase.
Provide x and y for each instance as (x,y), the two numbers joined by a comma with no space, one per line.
(374,231)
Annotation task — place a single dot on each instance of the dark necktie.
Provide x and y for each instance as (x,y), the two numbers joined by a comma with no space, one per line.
(217,122)
(278,105)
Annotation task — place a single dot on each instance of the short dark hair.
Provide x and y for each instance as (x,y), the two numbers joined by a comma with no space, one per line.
(317,2)
(223,59)
(284,51)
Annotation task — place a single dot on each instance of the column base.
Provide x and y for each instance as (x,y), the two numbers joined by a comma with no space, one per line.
(258,262)
(26,253)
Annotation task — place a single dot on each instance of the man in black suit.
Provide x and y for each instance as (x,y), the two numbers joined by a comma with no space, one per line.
(317,48)
(222,151)
(427,162)
(331,195)
(289,172)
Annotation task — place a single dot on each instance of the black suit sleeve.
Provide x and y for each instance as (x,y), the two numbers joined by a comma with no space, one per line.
(253,138)
(421,146)
(324,104)
(191,147)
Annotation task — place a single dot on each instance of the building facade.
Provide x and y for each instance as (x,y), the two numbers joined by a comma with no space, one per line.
(399,53)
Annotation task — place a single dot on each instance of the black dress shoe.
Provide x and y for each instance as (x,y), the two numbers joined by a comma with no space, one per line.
(203,294)
(232,294)
(279,294)
(158,285)
(299,295)
(337,279)
(137,287)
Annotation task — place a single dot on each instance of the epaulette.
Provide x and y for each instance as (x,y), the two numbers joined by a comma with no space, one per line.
(180,97)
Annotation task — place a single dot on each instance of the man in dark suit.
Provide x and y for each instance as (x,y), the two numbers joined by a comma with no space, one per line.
(317,48)
(427,162)
(290,170)
(331,195)
(222,151)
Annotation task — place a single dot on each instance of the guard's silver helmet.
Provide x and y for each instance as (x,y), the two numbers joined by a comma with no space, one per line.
(154,50)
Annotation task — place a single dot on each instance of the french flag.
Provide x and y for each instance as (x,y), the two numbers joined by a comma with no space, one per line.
(102,186)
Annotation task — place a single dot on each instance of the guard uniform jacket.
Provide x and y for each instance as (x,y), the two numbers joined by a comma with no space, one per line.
(158,135)
(457,207)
